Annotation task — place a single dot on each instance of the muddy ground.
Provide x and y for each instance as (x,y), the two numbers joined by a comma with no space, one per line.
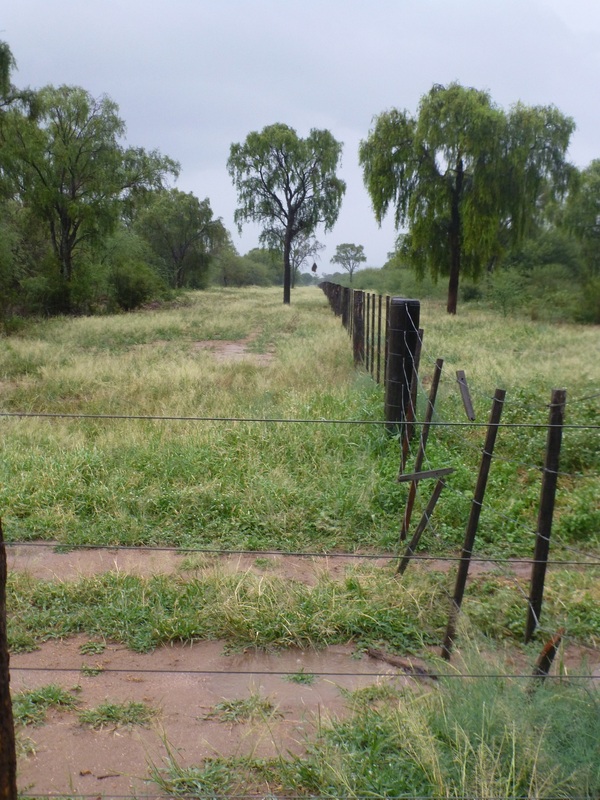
(182,683)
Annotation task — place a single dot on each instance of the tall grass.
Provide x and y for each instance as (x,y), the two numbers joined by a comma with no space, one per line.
(489,740)
(276,485)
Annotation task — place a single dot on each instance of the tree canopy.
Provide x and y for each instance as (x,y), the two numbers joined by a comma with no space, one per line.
(183,235)
(288,185)
(68,168)
(349,257)
(463,176)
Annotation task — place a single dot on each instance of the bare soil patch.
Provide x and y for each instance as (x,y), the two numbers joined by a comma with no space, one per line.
(183,683)
(230,350)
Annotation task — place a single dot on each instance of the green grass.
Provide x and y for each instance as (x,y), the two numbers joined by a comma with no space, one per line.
(31,707)
(246,709)
(367,606)
(501,739)
(301,677)
(117,715)
(244,609)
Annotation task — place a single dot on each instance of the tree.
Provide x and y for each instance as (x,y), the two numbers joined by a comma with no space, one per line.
(581,215)
(349,257)
(464,176)
(288,185)
(69,168)
(182,233)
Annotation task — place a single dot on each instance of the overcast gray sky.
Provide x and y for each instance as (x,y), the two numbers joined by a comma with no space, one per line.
(193,76)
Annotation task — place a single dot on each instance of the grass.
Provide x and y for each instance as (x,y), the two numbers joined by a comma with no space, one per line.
(303,678)
(506,741)
(31,707)
(117,715)
(244,609)
(197,484)
(246,709)
(366,605)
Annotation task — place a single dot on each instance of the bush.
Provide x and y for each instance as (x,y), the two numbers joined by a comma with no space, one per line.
(134,283)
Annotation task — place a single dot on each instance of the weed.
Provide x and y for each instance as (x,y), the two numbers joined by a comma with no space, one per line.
(251,708)
(117,715)
(31,707)
(92,648)
(304,678)
(91,672)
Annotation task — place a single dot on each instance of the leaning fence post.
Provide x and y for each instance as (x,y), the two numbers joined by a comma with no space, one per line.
(546,511)
(8,757)
(412,492)
(476,504)
(403,330)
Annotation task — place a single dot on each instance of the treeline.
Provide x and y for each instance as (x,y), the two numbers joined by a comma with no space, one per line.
(89,224)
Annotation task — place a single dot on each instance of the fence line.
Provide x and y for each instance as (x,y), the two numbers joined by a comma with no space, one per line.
(364,316)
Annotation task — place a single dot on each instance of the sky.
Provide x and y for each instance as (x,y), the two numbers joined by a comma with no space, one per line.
(191,77)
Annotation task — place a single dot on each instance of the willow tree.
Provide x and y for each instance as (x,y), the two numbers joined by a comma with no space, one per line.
(288,185)
(463,176)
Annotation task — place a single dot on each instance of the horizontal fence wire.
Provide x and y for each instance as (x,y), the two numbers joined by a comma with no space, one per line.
(160,418)
(65,547)
(286,673)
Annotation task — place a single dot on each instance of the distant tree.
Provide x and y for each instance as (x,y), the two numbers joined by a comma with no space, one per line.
(288,185)
(182,233)
(69,169)
(464,177)
(581,216)
(349,257)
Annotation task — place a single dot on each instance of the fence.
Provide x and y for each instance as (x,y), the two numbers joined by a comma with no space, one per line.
(370,321)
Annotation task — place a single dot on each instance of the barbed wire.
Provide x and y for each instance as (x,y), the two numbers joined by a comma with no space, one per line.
(317,673)
(275,420)
(184,550)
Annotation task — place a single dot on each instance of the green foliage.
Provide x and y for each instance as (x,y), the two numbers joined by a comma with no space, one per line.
(349,257)
(463,176)
(246,610)
(182,235)
(288,185)
(117,715)
(31,707)
(69,170)
(581,215)
(500,739)
(247,709)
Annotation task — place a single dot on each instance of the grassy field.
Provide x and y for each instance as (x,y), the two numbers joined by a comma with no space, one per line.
(207,478)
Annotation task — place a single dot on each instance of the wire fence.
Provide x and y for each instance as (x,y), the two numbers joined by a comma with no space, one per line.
(371,348)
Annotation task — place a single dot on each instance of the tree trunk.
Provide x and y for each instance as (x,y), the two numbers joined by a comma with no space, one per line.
(287,268)
(454,240)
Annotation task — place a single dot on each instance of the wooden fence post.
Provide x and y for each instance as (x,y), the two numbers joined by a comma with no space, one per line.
(358,328)
(379,339)
(411,414)
(476,504)
(546,510)
(403,331)
(8,757)
(412,492)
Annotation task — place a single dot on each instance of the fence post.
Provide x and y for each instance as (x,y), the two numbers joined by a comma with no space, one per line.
(476,504)
(412,492)
(403,331)
(546,510)
(8,757)
(358,328)
(379,339)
